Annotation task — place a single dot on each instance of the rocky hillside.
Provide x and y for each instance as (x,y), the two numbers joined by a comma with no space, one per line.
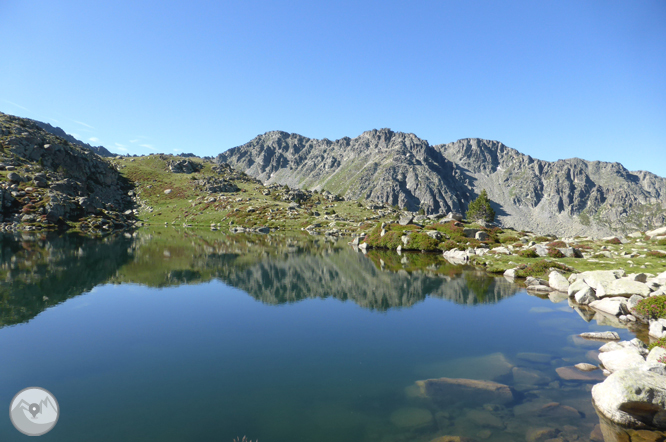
(566,197)
(46,181)
(58,132)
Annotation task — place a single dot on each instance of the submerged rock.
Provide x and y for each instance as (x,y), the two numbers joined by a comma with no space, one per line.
(448,391)
(573,374)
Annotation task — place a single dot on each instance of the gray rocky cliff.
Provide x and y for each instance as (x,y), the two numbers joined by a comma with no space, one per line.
(566,197)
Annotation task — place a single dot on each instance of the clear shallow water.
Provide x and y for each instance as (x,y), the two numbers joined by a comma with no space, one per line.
(318,343)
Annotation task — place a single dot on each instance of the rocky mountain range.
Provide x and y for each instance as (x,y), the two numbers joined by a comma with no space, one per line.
(566,197)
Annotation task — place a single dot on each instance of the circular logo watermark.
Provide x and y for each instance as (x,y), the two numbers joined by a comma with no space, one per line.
(34,411)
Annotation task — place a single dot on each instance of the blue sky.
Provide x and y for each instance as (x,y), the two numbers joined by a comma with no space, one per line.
(553,79)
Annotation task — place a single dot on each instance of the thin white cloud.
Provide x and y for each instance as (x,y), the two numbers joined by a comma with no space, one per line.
(133,141)
(54,120)
(148,146)
(83,124)
(176,150)
(75,135)
(119,145)
(94,139)
(17,105)
(121,148)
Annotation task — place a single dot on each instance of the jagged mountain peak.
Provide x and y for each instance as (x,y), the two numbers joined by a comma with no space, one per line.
(564,197)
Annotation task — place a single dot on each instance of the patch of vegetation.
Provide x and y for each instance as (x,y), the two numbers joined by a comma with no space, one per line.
(659,343)
(448,245)
(542,238)
(614,241)
(557,244)
(509,239)
(662,242)
(656,254)
(528,253)
(653,307)
(555,253)
(421,241)
(541,269)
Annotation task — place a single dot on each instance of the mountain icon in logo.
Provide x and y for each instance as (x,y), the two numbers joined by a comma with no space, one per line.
(34,411)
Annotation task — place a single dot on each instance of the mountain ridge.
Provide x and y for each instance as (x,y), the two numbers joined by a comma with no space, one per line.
(567,196)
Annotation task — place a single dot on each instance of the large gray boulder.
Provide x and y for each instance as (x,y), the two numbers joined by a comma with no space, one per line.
(622,287)
(635,397)
(629,357)
(585,296)
(656,355)
(656,232)
(596,277)
(406,219)
(577,286)
(658,328)
(612,306)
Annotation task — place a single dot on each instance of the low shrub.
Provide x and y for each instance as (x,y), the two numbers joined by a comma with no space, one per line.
(662,242)
(453,229)
(528,253)
(653,307)
(541,268)
(558,244)
(659,343)
(541,239)
(509,239)
(614,241)
(421,241)
(555,253)
(656,254)
(391,240)
(448,245)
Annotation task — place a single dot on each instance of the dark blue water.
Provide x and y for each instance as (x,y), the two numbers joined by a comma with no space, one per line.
(207,361)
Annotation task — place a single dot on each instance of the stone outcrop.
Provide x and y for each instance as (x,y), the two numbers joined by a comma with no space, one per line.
(634,395)
(566,197)
(54,181)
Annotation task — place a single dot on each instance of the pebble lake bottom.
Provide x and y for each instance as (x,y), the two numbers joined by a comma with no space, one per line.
(210,362)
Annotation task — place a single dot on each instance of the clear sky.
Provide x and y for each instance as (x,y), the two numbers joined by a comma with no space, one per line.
(553,79)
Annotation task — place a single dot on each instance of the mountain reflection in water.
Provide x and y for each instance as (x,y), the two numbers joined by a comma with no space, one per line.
(39,271)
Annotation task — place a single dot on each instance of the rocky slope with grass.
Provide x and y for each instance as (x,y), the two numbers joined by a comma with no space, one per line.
(566,197)
(46,182)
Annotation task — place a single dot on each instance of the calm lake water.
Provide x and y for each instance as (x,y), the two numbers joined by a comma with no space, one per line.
(195,336)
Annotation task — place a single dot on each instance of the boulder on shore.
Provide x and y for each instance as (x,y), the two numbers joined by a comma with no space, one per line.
(558,282)
(634,397)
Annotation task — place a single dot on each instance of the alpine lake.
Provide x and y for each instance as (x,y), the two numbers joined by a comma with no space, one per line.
(190,335)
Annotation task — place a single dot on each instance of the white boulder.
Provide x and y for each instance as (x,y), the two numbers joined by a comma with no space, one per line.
(615,360)
(634,397)
(558,282)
